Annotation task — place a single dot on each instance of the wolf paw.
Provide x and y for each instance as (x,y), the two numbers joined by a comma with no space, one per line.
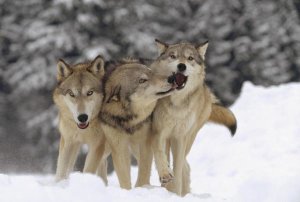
(166,178)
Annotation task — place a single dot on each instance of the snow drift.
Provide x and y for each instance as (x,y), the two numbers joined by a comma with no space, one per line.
(261,163)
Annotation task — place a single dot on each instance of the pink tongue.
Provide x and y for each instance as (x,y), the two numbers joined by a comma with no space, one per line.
(180,79)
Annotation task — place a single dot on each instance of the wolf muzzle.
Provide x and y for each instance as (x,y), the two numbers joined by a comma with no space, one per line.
(82,118)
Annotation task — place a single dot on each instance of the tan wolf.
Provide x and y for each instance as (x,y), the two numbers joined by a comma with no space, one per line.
(131,92)
(178,117)
(78,96)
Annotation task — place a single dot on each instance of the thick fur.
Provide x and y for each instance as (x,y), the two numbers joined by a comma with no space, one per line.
(79,91)
(131,92)
(178,117)
(222,115)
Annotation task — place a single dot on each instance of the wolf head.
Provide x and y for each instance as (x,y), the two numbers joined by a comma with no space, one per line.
(184,62)
(135,82)
(131,92)
(79,91)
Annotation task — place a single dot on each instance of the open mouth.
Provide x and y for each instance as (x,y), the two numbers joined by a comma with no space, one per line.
(180,79)
(83,125)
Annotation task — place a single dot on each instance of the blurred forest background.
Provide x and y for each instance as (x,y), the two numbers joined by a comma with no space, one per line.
(250,40)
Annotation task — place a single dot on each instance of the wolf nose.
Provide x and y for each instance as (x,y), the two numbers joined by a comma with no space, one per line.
(171,79)
(181,67)
(82,118)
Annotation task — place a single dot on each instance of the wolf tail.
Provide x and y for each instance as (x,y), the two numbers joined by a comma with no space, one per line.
(222,115)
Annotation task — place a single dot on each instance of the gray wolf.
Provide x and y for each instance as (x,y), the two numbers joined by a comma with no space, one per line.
(78,96)
(131,91)
(178,117)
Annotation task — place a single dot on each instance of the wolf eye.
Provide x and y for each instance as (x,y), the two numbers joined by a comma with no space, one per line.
(172,56)
(190,58)
(142,80)
(71,93)
(89,93)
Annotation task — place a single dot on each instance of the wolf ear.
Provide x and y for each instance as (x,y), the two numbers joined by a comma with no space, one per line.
(115,95)
(161,46)
(97,66)
(202,49)
(63,70)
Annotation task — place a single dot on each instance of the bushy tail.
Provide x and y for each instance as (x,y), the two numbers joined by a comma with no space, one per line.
(222,115)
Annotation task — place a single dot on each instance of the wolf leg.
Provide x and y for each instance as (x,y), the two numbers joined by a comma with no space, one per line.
(93,158)
(65,157)
(121,160)
(144,164)
(102,170)
(167,150)
(178,150)
(161,160)
(73,157)
(186,180)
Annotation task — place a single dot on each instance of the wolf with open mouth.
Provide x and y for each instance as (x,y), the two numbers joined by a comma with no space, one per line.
(78,97)
(178,117)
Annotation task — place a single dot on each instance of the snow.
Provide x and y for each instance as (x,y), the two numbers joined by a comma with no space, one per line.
(261,163)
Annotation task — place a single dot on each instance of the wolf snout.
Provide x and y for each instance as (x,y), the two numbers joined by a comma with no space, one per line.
(181,67)
(82,118)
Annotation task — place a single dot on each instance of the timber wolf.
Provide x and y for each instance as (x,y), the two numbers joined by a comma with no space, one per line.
(178,117)
(131,91)
(78,96)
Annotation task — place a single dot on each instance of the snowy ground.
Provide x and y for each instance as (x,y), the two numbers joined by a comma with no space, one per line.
(260,164)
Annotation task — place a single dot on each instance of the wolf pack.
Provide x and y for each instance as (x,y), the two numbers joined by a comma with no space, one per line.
(148,109)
